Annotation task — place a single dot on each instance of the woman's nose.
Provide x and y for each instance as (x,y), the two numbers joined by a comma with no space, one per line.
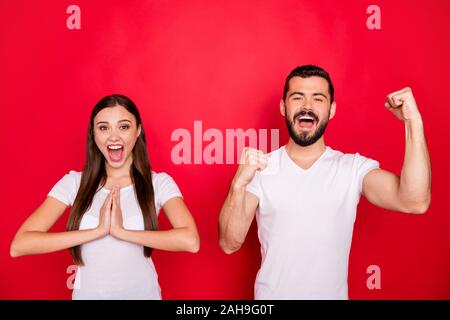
(114,135)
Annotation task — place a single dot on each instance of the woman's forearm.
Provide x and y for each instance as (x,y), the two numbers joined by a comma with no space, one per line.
(37,242)
(177,239)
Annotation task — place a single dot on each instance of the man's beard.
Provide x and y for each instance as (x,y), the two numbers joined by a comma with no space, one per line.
(305,139)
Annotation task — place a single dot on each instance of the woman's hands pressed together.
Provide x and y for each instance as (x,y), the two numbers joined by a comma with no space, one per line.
(116,214)
(110,219)
(182,237)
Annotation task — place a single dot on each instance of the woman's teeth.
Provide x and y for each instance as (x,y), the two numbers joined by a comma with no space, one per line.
(114,147)
(115,153)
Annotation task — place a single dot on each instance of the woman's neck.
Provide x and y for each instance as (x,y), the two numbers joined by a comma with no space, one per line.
(122,172)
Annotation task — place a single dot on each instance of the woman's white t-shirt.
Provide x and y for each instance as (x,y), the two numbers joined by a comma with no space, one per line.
(115,269)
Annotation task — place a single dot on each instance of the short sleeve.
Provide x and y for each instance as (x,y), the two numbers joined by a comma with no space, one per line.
(364,166)
(65,190)
(255,186)
(165,188)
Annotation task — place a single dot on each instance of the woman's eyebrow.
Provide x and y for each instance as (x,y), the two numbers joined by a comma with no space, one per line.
(106,122)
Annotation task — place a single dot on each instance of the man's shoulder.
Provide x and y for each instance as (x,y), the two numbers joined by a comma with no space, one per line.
(347,157)
(275,152)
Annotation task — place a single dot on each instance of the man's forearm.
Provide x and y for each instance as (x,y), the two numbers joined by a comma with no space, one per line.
(415,179)
(232,218)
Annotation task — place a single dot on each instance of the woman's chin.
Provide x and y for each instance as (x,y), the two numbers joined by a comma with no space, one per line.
(116,164)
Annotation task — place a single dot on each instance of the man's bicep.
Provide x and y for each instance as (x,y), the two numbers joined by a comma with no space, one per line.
(380,187)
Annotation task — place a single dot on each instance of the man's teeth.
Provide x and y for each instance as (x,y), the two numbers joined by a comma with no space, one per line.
(306,118)
(115,147)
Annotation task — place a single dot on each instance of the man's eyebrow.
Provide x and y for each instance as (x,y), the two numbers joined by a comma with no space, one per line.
(296,92)
(320,94)
(314,94)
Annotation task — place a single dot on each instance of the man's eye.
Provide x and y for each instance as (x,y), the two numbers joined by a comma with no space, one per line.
(319,100)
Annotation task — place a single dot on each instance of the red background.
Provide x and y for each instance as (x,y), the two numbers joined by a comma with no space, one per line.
(224,63)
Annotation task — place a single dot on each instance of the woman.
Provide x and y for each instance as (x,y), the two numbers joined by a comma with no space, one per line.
(113,224)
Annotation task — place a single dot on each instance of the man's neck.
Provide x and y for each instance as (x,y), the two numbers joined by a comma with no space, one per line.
(308,153)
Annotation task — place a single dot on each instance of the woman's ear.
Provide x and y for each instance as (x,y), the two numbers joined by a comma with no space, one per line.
(139,130)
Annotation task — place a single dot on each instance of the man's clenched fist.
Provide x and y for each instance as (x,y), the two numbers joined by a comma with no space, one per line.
(402,104)
(251,161)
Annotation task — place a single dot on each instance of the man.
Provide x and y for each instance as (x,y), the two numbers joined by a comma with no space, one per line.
(305,193)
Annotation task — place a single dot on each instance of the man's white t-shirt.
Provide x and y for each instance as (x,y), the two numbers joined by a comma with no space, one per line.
(305,224)
(115,269)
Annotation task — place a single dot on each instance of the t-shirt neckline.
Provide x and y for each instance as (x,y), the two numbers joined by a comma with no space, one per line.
(327,149)
(121,189)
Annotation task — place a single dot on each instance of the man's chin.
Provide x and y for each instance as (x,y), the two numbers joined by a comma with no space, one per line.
(303,143)
(305,135)
(305,139)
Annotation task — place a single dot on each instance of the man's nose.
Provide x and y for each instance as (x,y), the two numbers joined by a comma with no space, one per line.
(308,103)
(307,107)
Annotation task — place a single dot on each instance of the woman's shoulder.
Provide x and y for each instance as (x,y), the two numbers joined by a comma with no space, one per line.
(76,175)
(165,187)
(72,179)
(160,176)
(66,188)
(162,179)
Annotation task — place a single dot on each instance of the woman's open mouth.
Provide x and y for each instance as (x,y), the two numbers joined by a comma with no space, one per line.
(115,152)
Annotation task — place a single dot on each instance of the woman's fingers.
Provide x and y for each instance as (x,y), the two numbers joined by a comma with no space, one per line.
(105,214)
(109,200)
(118,196)
(115,199)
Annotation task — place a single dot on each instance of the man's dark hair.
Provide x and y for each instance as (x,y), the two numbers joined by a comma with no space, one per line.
(307,71)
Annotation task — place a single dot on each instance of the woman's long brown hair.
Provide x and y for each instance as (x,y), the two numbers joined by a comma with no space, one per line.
(94,176)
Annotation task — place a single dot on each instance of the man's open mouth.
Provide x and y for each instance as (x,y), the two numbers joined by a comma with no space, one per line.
(306,122)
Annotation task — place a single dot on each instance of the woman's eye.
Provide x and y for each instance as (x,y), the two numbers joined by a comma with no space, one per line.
(103,128)
(125,127)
